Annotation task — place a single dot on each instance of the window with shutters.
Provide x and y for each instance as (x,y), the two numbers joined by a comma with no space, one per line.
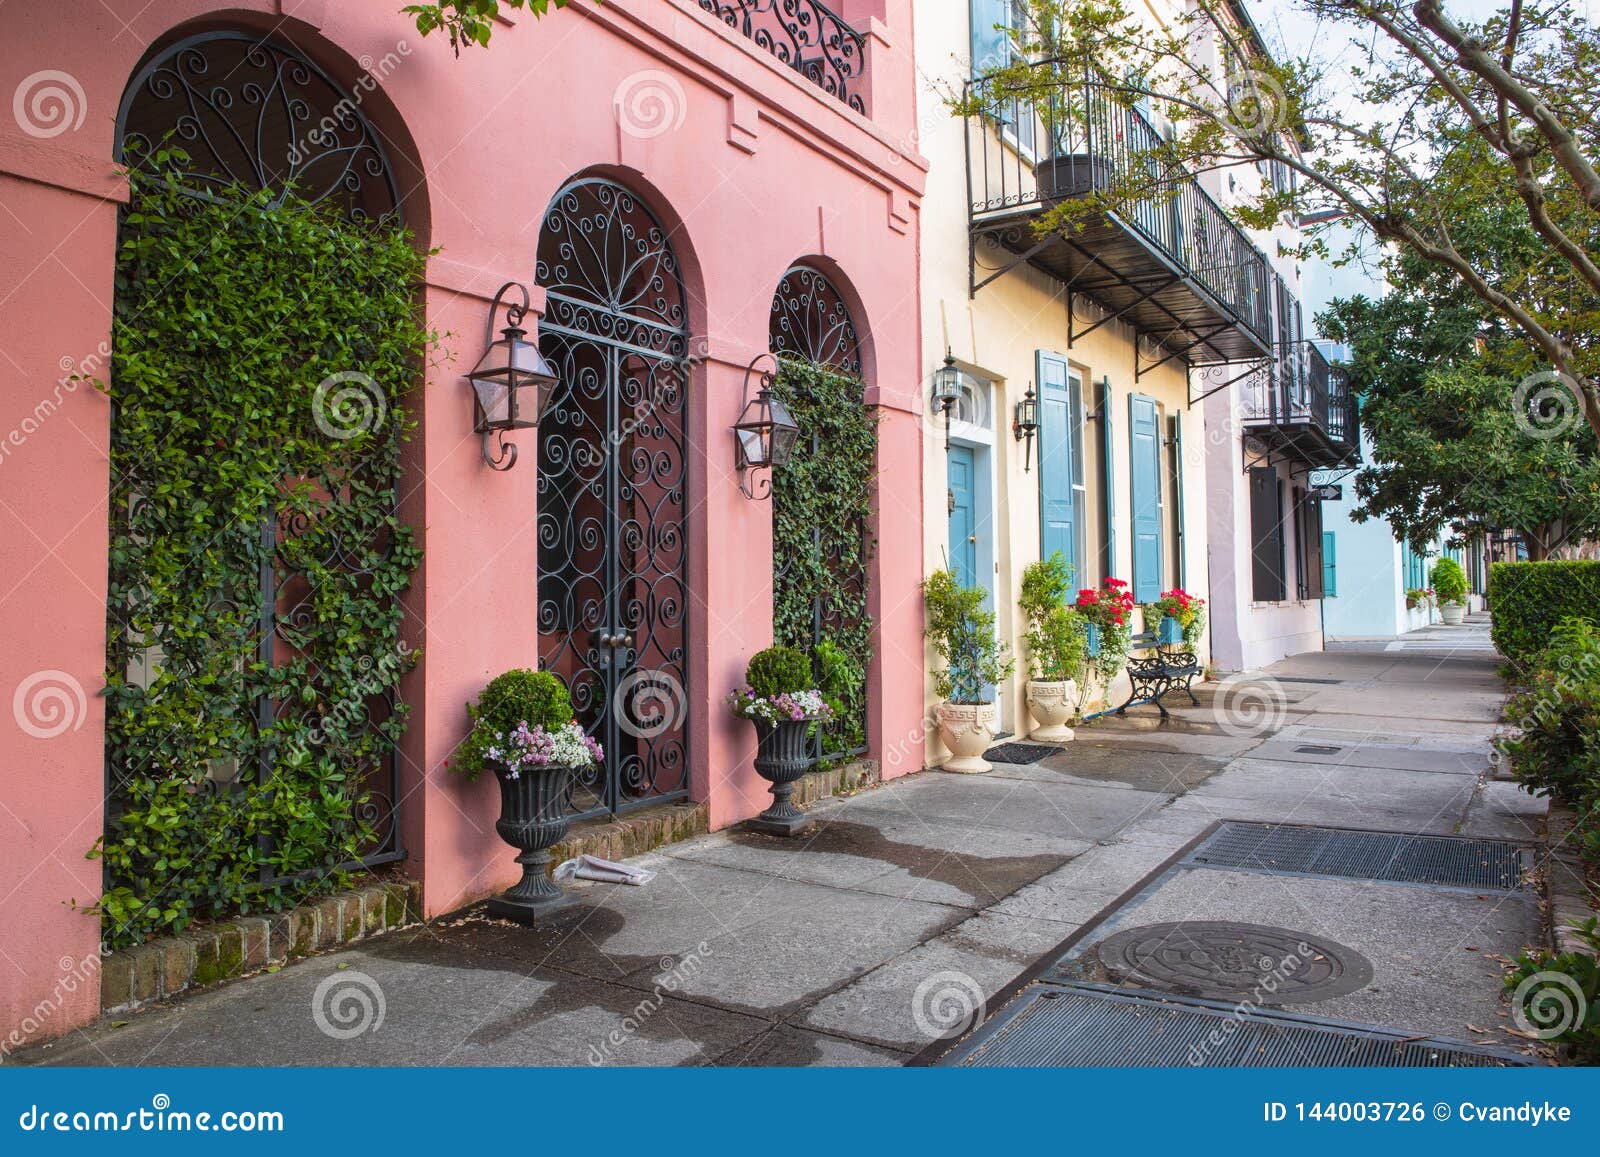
(997,41)
(1266,536)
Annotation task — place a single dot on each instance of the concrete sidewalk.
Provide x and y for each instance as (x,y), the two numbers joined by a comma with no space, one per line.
(752,950)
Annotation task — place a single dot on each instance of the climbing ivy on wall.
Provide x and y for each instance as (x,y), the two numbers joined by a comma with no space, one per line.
(260,358)
(821,541)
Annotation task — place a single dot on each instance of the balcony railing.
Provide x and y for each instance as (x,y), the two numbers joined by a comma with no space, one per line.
(1070,139)
(807,36)
(1299,402)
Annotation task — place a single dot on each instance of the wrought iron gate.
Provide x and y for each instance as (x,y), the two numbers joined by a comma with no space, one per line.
(612,491)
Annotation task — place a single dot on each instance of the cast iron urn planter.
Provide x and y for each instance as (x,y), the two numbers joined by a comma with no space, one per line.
(781,759)
(533,818)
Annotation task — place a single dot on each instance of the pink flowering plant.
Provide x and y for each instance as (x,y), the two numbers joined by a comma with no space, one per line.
(522,722)
(792,706)
(779,687)
(526,748)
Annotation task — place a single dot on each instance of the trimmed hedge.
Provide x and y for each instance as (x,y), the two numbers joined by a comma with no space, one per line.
(1529,599)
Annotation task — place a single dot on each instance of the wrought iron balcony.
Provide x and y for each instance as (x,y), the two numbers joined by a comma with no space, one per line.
(1172,265)
(807,36)
(1302,406)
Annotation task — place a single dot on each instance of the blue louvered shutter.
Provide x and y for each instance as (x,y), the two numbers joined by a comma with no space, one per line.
(1144,434)
(1058,508)
(1181,547)
(1330,566)
(990,47)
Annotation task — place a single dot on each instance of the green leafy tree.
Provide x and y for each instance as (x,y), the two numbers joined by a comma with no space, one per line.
(1364,125)
(1458,440)
(470,22)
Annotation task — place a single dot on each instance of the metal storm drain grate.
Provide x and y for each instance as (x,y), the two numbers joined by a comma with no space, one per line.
(1445,861)
(1083,1024)
(1305,679)
(1019,752)
(1318,749)
(1226,960)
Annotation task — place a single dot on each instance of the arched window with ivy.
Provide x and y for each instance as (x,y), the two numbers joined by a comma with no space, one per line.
(822,499)
(265,335)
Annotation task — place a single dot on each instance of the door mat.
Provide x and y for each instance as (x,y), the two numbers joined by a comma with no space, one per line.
(1018,752)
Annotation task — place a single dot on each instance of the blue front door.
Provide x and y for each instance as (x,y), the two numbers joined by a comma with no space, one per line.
(963,516)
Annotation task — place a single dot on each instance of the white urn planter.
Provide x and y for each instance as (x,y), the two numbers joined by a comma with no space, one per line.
(1053,705)
(967,729)
(1454,614)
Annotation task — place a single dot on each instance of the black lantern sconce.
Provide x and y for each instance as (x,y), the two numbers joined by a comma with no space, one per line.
(1025,424)
(947,391)
(512,384)
(765,434)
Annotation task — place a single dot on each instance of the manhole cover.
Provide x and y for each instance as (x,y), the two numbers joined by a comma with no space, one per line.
(1230,961)
(1318,749)
(1019,752)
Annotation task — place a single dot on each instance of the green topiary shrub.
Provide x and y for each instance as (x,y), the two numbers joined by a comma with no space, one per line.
(1449,581)
(1528,600)
(536,698)
(778,670)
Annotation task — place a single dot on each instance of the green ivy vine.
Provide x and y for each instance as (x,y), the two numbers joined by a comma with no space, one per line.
(261,356)
(821,541)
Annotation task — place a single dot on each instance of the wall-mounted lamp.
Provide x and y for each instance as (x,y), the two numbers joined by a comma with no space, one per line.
(765,434)
(947,391)
(512,384)
(1025,424)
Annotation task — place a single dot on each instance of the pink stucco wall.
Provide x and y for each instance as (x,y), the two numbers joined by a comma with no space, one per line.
(763,170)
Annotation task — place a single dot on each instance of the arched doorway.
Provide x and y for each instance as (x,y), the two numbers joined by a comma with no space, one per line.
(821,499)
(612,490)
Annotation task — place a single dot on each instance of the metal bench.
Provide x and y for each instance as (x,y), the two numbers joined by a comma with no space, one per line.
(1164,669)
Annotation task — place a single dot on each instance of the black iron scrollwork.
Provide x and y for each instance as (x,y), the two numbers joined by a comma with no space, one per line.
(807,36)
(255,113)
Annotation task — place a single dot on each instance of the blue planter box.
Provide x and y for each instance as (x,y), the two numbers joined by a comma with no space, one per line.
(1094,640)
(1169,632)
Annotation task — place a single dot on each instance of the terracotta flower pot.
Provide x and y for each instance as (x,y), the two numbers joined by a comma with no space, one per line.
(967,730)
(1053,704)
(533,819)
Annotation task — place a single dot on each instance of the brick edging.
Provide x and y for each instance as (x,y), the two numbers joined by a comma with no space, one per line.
(1567,896)
(133,977)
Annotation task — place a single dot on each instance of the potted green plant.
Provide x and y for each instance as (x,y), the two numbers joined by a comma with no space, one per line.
(971,661)
(781,700)
(1058,641)
(1450,588)
(523,732)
